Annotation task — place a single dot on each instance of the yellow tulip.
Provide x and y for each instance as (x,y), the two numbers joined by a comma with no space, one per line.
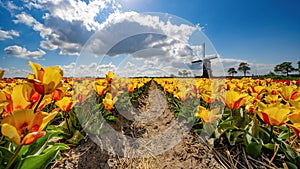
(6,106)
(208,116)
(110,75)
(45,80)
(18,99)
(274,114)
(65,104)
(289,93)
(233,99)
(109,102)
(24,127)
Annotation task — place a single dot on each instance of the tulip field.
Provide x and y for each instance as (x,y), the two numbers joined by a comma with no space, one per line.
(40,119)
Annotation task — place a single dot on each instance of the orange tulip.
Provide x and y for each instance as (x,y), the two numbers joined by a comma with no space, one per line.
(24,127)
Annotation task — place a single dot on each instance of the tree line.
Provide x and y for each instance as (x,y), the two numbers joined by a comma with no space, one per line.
(282,68)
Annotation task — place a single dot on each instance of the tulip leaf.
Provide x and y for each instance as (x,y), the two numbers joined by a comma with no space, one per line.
(297,159)
(76,138)
(291,165)
(111,118)
(40,161)
(269,146)
(288,151)
(5,156)
(254,149)
(38,146)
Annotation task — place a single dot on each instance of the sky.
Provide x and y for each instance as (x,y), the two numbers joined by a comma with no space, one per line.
(147,37)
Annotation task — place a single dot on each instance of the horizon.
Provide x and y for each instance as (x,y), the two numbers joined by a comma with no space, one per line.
(263,34)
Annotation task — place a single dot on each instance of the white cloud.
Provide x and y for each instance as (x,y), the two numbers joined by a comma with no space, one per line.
(66,25)
(20,52)
(8,34)
(25,18)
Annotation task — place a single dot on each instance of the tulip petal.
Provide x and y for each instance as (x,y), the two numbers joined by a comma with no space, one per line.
(32,137)
(47,119)
(11,132)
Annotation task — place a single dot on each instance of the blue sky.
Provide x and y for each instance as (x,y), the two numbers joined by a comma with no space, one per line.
(262,33)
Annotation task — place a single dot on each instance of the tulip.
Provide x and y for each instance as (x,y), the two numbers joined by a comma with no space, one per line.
(65,104)
(109,102)
(208,116)
(6,106)
(289,93)
(25,127)
(233,99)
(110,75)
(45,80)
(275,114)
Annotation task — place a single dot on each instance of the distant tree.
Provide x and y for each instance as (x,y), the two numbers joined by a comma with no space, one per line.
(179,73)
(172,75)
(271,74)
(244,67)
(231,71)
(298,66)
(284,68)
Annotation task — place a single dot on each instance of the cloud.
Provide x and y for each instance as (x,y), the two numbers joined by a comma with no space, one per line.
(10,6)
(66,25)
(25,18)
(8,34)
(20,52)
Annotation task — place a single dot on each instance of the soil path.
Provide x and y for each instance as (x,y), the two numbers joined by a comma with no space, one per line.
(152,118)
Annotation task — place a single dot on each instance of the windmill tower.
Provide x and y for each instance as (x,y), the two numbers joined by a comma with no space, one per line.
(207,72)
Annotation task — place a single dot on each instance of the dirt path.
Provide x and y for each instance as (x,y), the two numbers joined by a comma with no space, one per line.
(152,118)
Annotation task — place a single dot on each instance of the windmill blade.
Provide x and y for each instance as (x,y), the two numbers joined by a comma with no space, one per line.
(197,61)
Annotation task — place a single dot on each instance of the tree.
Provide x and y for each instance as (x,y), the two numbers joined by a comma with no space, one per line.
(244,67)
(298,66)
(231,71)
(284,68)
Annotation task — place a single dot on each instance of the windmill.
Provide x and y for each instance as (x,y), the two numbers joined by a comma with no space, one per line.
(207,72)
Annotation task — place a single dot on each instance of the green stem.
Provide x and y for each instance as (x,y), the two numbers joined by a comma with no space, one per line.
(40,100)
(66,120)
(271,133)
(11,161)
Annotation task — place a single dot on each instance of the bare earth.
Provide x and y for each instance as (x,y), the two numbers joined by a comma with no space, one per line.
(154,118)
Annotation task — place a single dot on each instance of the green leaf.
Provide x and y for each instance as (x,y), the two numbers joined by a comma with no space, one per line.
(269,146)
(111,118)
(38,146)
(40,161)
(5,156)
(288,151)
(291,165)
(254,149)
(76,138)
(297,159)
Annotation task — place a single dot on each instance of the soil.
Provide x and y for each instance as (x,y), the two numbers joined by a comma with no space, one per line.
(152,118)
